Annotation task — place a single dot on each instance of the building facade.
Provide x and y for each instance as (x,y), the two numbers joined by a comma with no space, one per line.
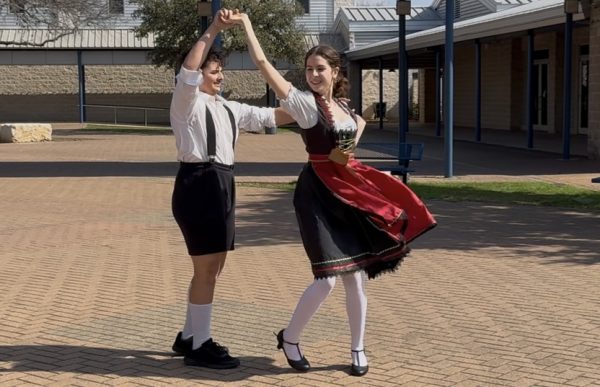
(512,93)
(509,69)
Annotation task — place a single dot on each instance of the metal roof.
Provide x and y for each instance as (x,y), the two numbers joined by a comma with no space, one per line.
(513,2)
(540,13)
(82,39)
(383,14)
(502,3)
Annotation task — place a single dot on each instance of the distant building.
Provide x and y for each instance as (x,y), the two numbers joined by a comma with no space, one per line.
(43,83)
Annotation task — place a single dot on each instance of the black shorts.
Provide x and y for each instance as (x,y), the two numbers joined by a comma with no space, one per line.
(203,205)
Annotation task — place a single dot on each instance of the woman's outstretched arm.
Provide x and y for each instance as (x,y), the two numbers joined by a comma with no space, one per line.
(280,86)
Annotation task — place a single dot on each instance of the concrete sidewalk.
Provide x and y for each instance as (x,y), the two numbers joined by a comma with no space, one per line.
(94,275)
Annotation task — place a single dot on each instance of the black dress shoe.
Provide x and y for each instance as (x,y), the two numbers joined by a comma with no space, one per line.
(211,355)
(182,346)
(357,369)
(301,365)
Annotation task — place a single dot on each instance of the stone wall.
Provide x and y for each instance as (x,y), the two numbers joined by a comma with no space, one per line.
(50,93)
(370,93)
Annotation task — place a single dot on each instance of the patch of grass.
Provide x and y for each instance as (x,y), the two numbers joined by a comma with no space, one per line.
(128,129)
(530,193)
(281,186)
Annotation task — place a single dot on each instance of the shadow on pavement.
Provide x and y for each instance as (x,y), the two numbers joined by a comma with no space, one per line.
(550,234)
(125,362)
(131,169)
(266,218)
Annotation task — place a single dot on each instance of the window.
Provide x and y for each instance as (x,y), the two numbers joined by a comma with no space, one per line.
(116,7)
(16,6)
(305,4)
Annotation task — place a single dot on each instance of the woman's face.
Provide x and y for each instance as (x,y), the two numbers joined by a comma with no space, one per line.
(320,75)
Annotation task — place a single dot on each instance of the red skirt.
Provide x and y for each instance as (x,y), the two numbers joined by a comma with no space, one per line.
(388,202)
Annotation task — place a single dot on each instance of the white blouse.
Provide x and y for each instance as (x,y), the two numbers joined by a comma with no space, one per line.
(301,105)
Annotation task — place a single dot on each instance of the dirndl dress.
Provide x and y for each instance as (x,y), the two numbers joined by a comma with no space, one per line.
(353,217)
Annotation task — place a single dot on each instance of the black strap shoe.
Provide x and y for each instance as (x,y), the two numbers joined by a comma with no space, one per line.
(211,355)
(301,365)
(357,369)
(182,346)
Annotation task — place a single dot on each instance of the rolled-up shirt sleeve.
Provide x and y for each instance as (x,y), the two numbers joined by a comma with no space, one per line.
(252,118)
(302,107)
(185,93)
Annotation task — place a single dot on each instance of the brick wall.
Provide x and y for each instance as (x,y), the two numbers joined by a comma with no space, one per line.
(464,84)
(518,84)
(427,106)
(594,90)
(495,80)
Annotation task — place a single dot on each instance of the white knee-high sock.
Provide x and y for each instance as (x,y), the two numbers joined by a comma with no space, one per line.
(356,307)
(309,303)
(187,326)
(200,317)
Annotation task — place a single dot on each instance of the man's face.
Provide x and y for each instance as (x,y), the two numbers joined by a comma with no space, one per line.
(212,75)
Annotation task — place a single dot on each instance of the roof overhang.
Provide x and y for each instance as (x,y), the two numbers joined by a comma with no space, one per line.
(539,14)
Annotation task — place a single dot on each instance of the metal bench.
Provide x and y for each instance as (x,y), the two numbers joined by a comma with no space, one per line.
(403,153)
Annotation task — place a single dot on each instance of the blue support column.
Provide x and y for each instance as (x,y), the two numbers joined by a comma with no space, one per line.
(203,21)
(438,97)
(402,81)
(449,90)
(359,105)
(81,77)
(477,90)
(380,108)
(215,7)
(567,87)
(530,92)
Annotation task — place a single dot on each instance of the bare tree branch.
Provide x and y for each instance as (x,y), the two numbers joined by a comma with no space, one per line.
(58,17)
(27,40)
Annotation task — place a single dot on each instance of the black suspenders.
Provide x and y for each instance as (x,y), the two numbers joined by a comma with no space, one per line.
(211,136)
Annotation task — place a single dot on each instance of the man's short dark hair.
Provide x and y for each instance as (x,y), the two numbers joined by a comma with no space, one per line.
(214,56)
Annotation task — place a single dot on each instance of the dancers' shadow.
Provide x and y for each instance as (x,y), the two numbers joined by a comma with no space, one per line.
(123,363)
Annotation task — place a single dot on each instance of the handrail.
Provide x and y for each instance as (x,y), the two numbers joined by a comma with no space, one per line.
(123,107)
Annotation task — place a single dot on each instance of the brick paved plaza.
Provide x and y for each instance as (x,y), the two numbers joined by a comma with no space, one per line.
(94,273)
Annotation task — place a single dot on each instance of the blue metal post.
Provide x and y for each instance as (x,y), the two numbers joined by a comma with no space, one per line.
(380,106)
(438,126)
(530,91)
(81,77)
(449,90)
(477,90)
(567,87)
(215,7)
(203,21)
(402,82)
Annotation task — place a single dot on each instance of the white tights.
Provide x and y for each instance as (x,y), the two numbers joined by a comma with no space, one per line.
(311,300)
